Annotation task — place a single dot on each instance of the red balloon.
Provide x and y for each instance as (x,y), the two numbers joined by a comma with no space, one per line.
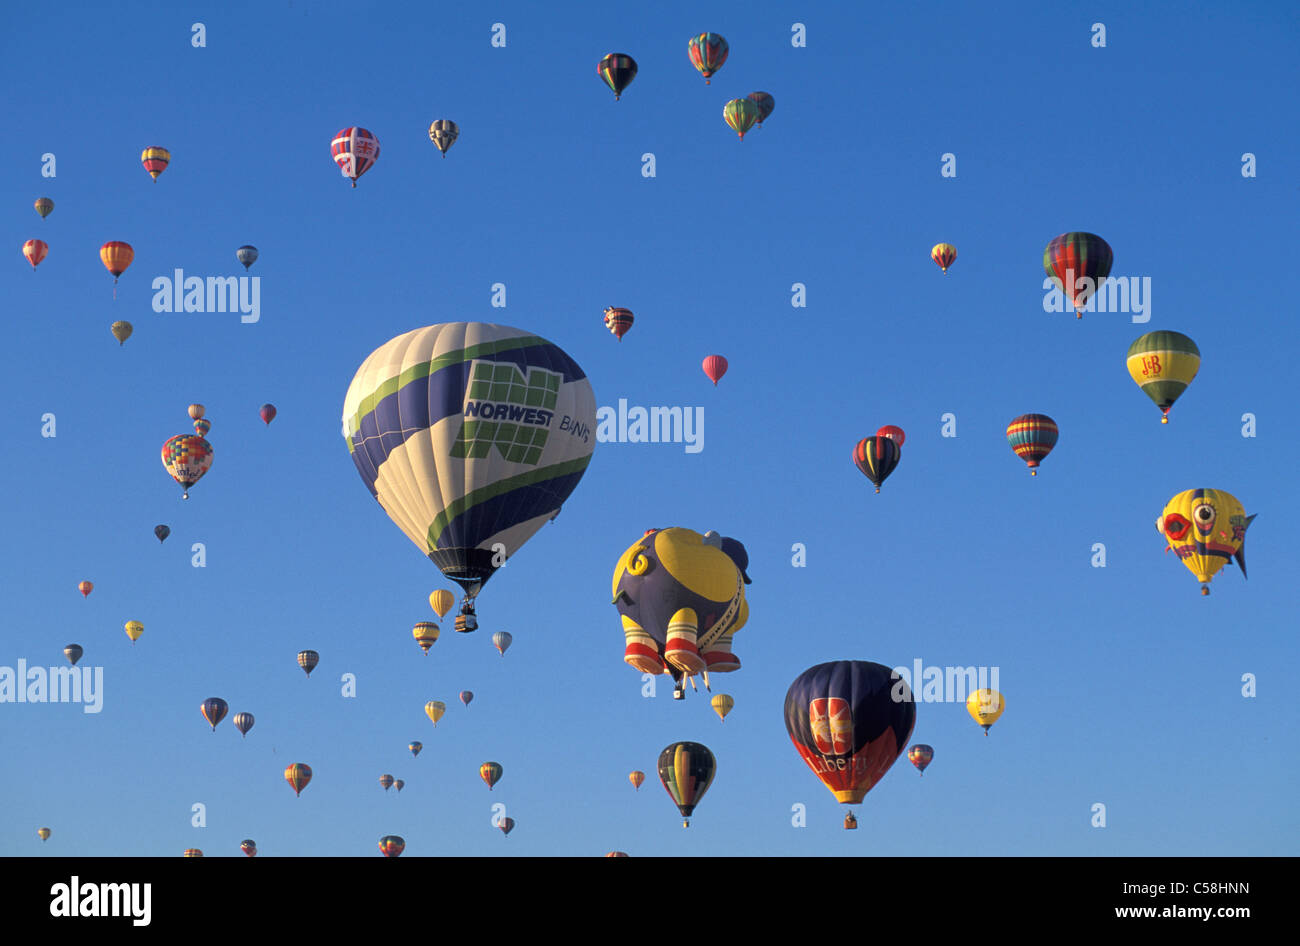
(893,433)
(268,412)
(715,366)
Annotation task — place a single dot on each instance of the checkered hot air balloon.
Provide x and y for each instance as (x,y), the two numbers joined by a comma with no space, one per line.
(1032,437)
(187,457)
(355,151)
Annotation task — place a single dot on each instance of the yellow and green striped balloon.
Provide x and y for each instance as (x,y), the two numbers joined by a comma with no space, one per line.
(1163,364)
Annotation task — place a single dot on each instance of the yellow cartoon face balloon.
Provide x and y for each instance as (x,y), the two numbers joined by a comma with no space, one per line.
(1207,528)
(985,706)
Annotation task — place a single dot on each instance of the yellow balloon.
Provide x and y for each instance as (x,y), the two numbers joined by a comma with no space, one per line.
(44,833)
(133,630)
(434,710)
(722,704)
(441,602)
(121,331)
(985,706)
(1207,529)
(426,632)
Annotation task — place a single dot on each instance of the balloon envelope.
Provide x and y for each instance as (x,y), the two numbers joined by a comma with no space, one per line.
(707,52)
(121,331)
(133,630)
(920,755)
(985,706)
(308,659)
(1163,364)
(687,770)
(155,160)
(849,720)
(415,748)
(214,710)
(491,773)
(117,256)
(466,696)
(386,780)
(943,254)
(715,366)
(35,251)
(298,775)
(249,847)
(501,641)
(1078,263)
(267,412)
(162,532)
(435,709)
(390,845)
(636,777)
(246,255)
(187,457)
(741,115)
(722,704)
(765,104)
(85,587)
(44,206)
(243,722)
(355,151)
(1206,528)
(441,602)
(617,70)
(443,133)
(73,652)
(471,436)
(1032,437)
(43,833)
(876,457)
(426,634)
(618,321)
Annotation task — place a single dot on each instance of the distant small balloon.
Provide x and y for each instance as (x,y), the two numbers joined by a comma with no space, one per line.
(491,773)
(133,630)
(121,331)
(501,641)
(435,709)
(298,775)
(426,634)
(268,412)
(507,825)
(43,833)
(715,366)
(73,652)
(35,251)
(196,411)
(722,704)
(85,587)
(390,845)
(386,780)
(441,602)
(214,710)
(192,852)
(308,659)
(246,255)
(636,777)
(43,207)
(466,696)
(162,532)
(398,784)
(415,748)
(249,847)
(243,722)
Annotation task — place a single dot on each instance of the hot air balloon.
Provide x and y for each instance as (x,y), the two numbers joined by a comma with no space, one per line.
(765,105)
(1078,263)
(415,747)
(246,255)
(44,206)
(943,254)
(85,587)
(441,602)
(920,755)
(35,251)
(471,436)
(741,115)
(435,709)
(192,852)
(715,366)
(1206,528)
(243,722)
(443,133)
(133,630)
(202,426)
(308,659)
(506,825)
(636,777)
(121,331)
(617,854)
(681,598)
(355,151)
(195,411)
(617,70)
(298,775)
(893,433)
(501,641)
(466,696)
(618,321)
(1163,364)
(1032,437)
(117,257)
(162,532)
(849,720)
(249,847)
(985,706)
(722,704)
(708,51)
(876,457)
(426,633)
(214,710)
(490,772)
(386,780)
(43,833)
(398,784)
(390,845)
(687,770)
(73,652)
(187,457)
(268,413)
(155,160)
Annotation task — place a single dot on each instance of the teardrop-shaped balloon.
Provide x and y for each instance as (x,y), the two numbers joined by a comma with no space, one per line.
(722,704)
(162,532)
(121,331)
(617,70)
(192,852)
(44,206)
(636,777)
(466,696)
(687,770)
(85,587)
(35,251)
(501,641)
(398,784)
(507,825)
(876,458)
(415,747)
(246,255)
(426,633)
(355,151)
(133,630)
(214,710)
(249,847)
(391,845)
(243,722)
(1163,364)
(202,426)
(43,833)
(849,720)
(268,413)
(1032,437)
(117,256)
(985,706)
(298,775)
(187,457)
(715,366)
(386,780)
(308,659)
(766,104)
(441,602)
(943,255)
(741,115)
(491,773)
(435,710)
(471,436)
(618,321)
(1078,263)
(443,133)
(155,160)
(73,652)
(707,52)
(920,755)
(196,411)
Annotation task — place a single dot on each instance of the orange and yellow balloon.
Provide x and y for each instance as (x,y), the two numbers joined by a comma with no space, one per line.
(943,254)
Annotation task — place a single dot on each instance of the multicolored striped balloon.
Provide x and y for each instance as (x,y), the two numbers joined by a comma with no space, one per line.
(308,659)
(1163,364)
(390,845)
(35,251)
(765,104)
(876,458)
(386,780)
(687,770)
(708,51)
(298,775)
(943,254)
(618,321)
(1032,437)
(426,635)
(617,70)
(920,755)
(491,773)
(155,160)
(740,114)
(214,710)
(1078,263)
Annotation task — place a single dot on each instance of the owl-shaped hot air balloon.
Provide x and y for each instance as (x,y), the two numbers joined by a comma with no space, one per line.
(1163,364)
(1206,528)
(355,151)
(681,598)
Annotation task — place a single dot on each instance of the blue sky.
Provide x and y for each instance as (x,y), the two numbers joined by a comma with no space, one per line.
(1123,684)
